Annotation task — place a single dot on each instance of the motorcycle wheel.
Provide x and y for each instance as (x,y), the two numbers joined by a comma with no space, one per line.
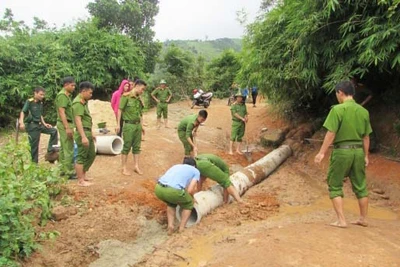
(206,105)
(193,104)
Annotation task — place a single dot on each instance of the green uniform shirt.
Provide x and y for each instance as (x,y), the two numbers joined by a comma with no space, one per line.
(217,161)
(162,94)
(82,110)
(131,108)
(33,109)
(187,125)
(64,101)
(349,121)
(239,109)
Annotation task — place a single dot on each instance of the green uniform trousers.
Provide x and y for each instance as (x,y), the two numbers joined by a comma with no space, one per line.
(66,154)
(86,154)
(208,169)
(132,135)
(34,130)
(347,163)
(174,197)
(186,145)
(162,108)
(237,133)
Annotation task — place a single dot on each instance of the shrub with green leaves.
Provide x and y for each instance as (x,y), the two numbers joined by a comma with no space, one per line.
(298,50)
(25,200)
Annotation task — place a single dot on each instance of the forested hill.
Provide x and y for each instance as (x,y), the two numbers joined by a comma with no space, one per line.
(208,49)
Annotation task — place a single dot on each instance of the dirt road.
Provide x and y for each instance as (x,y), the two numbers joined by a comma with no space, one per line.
(119,222)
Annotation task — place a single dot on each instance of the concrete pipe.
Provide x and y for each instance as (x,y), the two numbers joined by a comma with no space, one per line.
(109,144)
(242,180)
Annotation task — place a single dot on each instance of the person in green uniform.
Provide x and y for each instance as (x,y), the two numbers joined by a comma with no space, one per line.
(177,187)
(216,169)
(187,130)
(83,136)
(239,120)
(65,126)
(162,95)
(348,129)
(31,119)
(131,112)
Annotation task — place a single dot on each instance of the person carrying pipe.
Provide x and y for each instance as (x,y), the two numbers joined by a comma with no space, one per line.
(348,128)
(84,136)
(239,120)
(216,169)
(187,130)
(177,187)
(65,126)
(162,95)
(131,112)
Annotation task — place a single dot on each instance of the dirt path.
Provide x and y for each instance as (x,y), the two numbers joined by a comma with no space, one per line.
(113,223)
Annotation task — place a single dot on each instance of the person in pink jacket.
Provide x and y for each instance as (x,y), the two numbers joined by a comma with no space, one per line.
(116,96)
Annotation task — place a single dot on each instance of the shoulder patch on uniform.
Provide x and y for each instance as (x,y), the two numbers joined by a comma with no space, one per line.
(31,99)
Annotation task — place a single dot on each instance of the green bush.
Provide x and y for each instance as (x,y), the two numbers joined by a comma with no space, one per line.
(25,192)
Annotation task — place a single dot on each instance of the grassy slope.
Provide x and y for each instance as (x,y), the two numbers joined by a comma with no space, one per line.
(208,49)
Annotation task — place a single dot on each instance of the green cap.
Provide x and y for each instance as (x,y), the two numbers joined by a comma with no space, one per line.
(163,82)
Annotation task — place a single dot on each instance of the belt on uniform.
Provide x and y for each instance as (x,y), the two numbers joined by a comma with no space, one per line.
(87,129)
(347,146)
(132,122)
(70,121)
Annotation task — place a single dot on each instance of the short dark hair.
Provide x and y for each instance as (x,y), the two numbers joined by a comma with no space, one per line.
(135,78)
(38,89)
(189,161)
(85,86)
(140,82)
(346,87)
(203,113)
(68,79)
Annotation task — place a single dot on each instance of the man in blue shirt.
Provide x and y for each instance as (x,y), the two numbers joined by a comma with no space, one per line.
(254,94)
(245,93)
(177,187)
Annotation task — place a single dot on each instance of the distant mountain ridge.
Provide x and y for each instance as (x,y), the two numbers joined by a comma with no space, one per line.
(208,49)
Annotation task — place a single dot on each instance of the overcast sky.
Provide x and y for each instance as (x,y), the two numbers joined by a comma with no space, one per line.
(177,19)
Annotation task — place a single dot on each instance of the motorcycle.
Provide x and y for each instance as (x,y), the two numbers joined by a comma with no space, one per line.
(201,99)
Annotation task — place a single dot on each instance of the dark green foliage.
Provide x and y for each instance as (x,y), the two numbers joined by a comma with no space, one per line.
(134,18)
(222,71)
(42,58)
(25,192)
(299,50)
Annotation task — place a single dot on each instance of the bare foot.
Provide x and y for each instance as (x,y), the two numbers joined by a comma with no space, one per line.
(138,171)
(84,183)
(244,204)
(126,172)
(338,224)
(230,153)
(170,230)
(360,223)
(239,152)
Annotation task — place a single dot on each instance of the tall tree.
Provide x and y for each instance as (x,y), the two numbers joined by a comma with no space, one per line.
(134,18)
(222,71)
(300,48)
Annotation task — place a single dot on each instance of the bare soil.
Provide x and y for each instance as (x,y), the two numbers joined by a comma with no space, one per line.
(119,222)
